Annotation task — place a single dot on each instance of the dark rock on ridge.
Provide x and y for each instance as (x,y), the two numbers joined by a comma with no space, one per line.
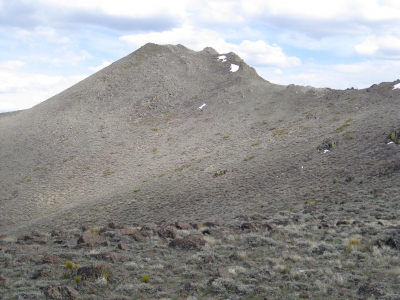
(90,239)
(61,292)
(190,242)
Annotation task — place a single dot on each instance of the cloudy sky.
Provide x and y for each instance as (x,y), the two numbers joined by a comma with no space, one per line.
(49,45)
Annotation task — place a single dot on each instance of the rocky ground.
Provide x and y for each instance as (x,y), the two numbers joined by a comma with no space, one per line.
(321,249)
(267,192)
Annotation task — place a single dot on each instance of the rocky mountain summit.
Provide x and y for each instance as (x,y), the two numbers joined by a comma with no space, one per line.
(227,186)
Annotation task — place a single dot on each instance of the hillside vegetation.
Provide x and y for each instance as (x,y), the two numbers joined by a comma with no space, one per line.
(266,192)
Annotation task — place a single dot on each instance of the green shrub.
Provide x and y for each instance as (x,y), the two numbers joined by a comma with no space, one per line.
(70,265)
(280,131)
(248,158)
(354,242)
(94,230)
(342,128)
(107,172)
(145,278)
(77,279)
(219,173)
(393,135)
(183,167)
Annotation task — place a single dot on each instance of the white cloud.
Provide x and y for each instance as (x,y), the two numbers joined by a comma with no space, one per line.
(40,34)
(186,35)
(218,12)
(319,19)
(306,9)
(71,58)
(23,90)
(325,10)
(368,47)
(51,35)
(384,46)
(133,8)
(12,65)
(104,64)
(257,53)
(351,68)
(338,76)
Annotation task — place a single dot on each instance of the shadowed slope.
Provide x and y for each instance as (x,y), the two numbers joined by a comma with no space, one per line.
(129,144)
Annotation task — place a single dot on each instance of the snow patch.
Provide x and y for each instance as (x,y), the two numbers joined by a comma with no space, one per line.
(222,57)
(234,68)
(396,86)
(326,150)
(391,142)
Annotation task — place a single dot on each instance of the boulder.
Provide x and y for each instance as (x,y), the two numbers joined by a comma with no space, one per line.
(113,225)
(149,227)
(167,232)
(342,222)
(94,271)
(35,237)
(327,145)
(91,239)
(42,273)
(60,292)
(58,232)
(224,273)
(249,227)
(367,290)
(183,226)
(132,232)
(389,237)
(189,288)
(52,259)
(123,246)
(190,242)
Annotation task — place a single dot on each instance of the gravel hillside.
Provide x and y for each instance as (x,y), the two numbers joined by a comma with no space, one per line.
(129,144)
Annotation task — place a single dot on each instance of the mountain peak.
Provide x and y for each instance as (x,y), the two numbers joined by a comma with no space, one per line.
(167,132)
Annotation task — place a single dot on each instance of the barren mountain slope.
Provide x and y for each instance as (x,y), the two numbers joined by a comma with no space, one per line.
(129,144)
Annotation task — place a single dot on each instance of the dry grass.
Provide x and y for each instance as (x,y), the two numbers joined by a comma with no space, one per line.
(289,262)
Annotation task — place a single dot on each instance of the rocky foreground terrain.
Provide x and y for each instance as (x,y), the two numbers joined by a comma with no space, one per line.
(321,250)
(122,187)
